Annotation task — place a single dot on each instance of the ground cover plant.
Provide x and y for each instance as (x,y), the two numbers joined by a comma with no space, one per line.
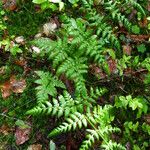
(75,74)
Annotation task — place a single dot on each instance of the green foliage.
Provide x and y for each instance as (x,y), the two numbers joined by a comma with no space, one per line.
(92,74)
(49,4)
(138,103)
(47,85)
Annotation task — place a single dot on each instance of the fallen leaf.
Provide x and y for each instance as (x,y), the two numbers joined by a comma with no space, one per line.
(127,49)
(35,49)
(22,135)
(20,40)
(10,4)
(4,129)
(138,38)
(38,35)
(13,85)
(147,118)
(2,70)
(51,26)
(97,71)
(35,147)
(6,89)
(143,23)
(17,86)
(21,62)
(112,65)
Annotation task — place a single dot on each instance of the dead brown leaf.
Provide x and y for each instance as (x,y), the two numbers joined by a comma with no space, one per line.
(4,129)
(6,89)
(22,135)
(143,23)
(97,71)
(138,38)
(112,65)
(12,85)
(10,5)
(147,118)
(35,147)
(127,49)
(17,86)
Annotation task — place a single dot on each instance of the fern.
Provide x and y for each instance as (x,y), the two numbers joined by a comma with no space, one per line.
(103,29)
(72,122)
(63,106)
(47,85)
(137,6)
(83,41)
(113,146)
(99,117)
(111,6)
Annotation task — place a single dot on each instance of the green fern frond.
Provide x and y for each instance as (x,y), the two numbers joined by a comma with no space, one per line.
(64,106)
(91,137)
(103,115)
(59,53)
(80,87)
(113,146)
(97,92)
(74,121)
(103,30)
(73,68)
(43,43)
(96,134)
(111,6)
(84,41)
(136,5)
(47,85)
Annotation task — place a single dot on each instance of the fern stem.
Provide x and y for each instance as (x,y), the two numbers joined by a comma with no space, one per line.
(96,129)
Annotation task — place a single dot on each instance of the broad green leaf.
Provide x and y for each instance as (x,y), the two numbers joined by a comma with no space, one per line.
(135,29)
(141,48)
(52,145)
(39,1)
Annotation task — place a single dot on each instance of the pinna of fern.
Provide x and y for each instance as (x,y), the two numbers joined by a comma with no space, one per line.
(47,85)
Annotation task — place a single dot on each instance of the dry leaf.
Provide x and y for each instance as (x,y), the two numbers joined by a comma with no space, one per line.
(6,89)
(20,40)
(13,85)
(17,86)
(127,49)
(112,65)
(22,135)
(4,129)
(21,62)
(35,49)
(97,71)
(10,4)
(35,147)
(147,118)
(143,23)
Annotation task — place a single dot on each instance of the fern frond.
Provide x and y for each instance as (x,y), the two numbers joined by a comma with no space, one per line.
(43,43)
(90,139)
(103,115)
(136,5)
(64,106)
(73,68)
(111,6)
(47,85)
(96,134)
(113,146)
(103,30)
(72,122)
(97,92)
(59,53)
